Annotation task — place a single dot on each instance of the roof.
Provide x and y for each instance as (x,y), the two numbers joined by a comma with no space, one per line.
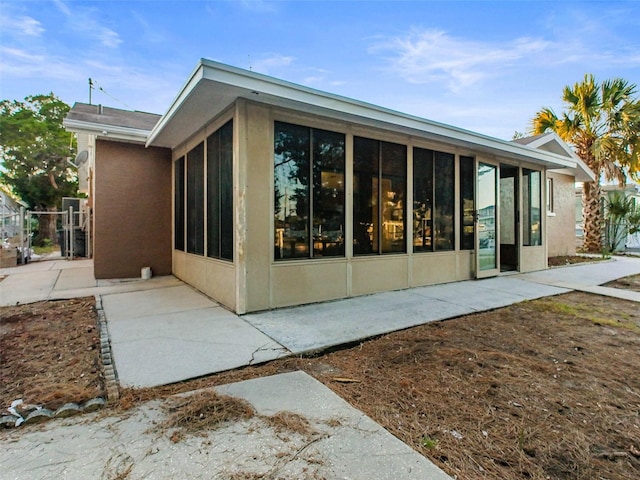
(107,122)
(551,142)
(213,87)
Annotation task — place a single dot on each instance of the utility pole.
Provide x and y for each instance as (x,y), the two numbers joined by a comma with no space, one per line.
(90,88)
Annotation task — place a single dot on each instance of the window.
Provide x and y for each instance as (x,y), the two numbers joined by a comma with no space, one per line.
(467,203)
(532,204)
(379,191)
(433,200)
(220,193)
(178,220)
(309,195)
(195,200)
(550,207)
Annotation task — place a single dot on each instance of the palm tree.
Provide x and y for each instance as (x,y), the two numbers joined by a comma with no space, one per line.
(602,123)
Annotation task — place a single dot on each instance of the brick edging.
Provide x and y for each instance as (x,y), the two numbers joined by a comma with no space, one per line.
(112,392)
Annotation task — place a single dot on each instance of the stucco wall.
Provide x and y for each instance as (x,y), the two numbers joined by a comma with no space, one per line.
(132,210)
(257,281)
(561,226)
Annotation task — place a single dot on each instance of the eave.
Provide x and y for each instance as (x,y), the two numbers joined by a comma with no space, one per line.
(213,86)
(107,132)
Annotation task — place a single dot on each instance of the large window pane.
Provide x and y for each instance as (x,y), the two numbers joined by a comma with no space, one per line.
(220,193)
(365,195)
(226,192)
(195,200)
(393,159)
(309,192)
(379,192)
(467,203)
(443,227)
(178,225)
(422,199)
(328,193)
(532,203)
(213,195)
(291,189)
(433,200)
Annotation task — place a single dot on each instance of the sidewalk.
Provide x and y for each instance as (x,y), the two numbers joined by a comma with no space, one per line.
(163,331)
(59,279)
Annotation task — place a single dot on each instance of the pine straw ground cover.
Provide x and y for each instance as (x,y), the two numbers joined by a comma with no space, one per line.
(49,353)
(547,389)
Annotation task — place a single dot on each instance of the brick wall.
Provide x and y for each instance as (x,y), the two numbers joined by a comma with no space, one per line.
(132,210)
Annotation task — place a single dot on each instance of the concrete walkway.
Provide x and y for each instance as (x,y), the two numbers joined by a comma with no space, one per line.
(59,279)
(340,442)
(163,331)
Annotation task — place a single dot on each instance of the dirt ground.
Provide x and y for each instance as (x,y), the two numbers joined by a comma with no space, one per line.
(49,353)
(546,389)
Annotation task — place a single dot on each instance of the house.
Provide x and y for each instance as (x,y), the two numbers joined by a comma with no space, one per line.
(128,188)
(631,190)
(265,194)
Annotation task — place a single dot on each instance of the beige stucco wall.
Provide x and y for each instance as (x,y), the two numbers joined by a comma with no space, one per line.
(132,210)
(561,233)
(256,281)
(214,277)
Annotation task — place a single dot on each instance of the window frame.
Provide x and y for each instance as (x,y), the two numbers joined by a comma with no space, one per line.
(437,182)
(531,237)
(219,193)
(380,174)
(315,244)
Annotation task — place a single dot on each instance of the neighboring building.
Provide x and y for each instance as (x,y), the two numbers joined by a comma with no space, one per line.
(128,188)
(265,194)
(9,216)
(630,190)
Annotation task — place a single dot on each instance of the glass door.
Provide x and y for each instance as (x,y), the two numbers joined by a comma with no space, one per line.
(486,224)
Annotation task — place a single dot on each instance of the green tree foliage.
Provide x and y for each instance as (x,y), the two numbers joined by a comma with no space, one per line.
(622,217)
(602,123)
(35,148)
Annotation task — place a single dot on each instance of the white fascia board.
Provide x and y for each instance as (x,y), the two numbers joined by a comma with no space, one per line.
(106,131)
(263,84)
(582,172)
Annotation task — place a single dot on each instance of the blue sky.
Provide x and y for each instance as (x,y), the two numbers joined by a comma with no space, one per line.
(484,66)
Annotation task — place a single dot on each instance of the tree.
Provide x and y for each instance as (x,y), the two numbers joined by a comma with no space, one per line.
(34,148)
(602,123)
(622,218)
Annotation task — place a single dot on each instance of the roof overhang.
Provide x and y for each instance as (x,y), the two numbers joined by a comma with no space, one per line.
(551,142)
(106,132)
(213,87)
(110,123)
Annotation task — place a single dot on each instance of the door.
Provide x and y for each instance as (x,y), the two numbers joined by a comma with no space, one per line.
(509,228)
(486,220)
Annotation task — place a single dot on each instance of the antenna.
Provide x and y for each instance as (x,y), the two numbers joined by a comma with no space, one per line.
(93,84)
(250,67)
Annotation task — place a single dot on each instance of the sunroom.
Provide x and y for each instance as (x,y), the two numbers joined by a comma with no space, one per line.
(284,195)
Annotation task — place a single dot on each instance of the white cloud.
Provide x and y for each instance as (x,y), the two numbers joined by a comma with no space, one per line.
(83,20)
(270,62)
(433,55)
(22,64)
(19,25)
(257,6)
(62,7)
(28,26)
(108,37)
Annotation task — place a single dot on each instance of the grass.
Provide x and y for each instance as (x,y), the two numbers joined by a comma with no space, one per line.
(45,250)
